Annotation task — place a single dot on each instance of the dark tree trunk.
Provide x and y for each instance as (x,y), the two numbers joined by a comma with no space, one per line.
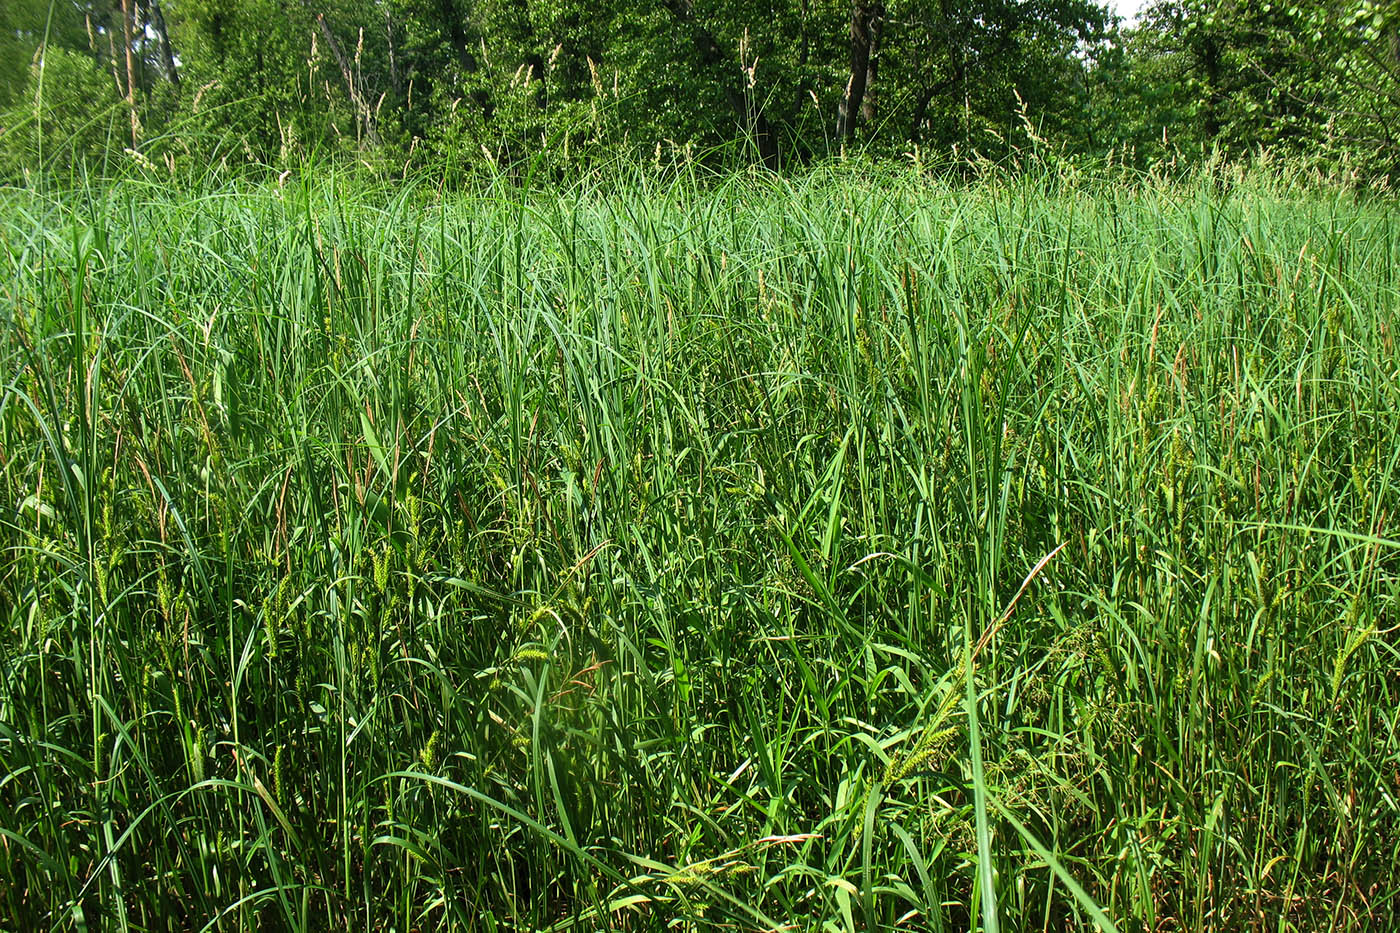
(805,49)
(167,53)
(916,125)
(1210,63)
(711,56)
(866,20)
(869,104)
(535,62)
(452,20)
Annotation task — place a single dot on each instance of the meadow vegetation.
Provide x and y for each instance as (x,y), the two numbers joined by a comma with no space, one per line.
(850,550)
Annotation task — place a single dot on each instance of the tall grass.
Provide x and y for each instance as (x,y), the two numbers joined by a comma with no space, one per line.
(845,552)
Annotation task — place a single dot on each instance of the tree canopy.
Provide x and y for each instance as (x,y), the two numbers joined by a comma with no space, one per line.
(462,83)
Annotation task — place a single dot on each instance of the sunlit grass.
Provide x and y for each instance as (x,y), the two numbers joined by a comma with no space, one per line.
(670,553)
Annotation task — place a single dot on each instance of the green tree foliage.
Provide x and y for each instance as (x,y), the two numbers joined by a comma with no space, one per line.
(1345,61)
(973,68)
(260,75)
(81,118)
(59,82)
(1313,80)
(554,83)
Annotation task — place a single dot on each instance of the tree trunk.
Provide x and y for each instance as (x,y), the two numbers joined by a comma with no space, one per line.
(112,61)
(916,125)
(452,20)
(866,20)
(1210,64)
(351,86)
(393,58)
(167,53)
(868,105)
(744,106)
(130,74)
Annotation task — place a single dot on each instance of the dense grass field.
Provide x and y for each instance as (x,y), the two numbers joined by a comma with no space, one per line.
(845,552)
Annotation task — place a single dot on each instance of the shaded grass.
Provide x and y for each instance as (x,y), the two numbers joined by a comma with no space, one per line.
(615,557)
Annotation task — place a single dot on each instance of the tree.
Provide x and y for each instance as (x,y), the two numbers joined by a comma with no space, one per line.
(867,21)
(1311,80)
(556,82)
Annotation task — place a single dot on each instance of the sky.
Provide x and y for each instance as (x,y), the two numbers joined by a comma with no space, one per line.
(1128,9)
